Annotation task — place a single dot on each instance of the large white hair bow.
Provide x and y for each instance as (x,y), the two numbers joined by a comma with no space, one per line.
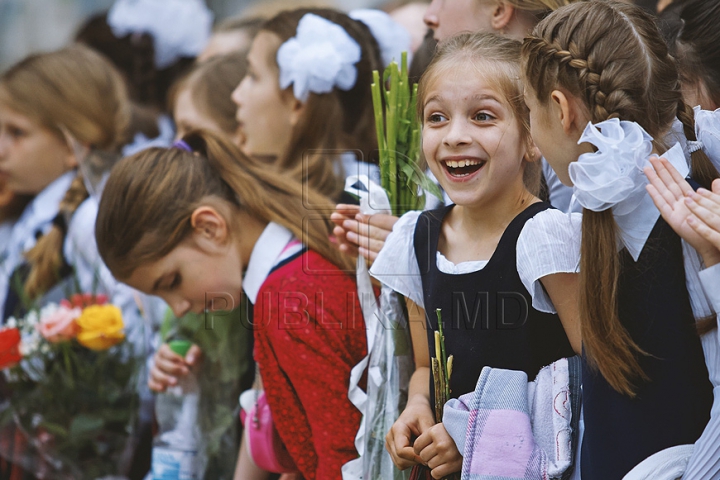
(391,37)
(612,177)
(180,28)
(321,56)
(707,131)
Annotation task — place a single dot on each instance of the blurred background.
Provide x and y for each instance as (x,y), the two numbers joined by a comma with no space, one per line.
(28,26)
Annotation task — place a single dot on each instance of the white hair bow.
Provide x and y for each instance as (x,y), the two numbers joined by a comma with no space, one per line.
(180,28)
(320,57)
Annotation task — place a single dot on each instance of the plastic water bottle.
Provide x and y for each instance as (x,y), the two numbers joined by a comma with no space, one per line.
(176,448)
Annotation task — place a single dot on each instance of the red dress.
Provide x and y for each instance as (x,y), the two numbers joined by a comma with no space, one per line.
(309,334)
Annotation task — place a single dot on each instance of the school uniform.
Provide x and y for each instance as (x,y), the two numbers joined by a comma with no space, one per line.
(657,297)
(488,314)
(309,333)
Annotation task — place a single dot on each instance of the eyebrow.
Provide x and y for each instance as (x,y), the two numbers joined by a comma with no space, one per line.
(479,96)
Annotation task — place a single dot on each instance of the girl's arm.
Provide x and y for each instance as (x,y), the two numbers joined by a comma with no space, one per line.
(563,290)
(418,415)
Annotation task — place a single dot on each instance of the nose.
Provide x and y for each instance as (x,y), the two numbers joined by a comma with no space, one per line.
(237,93)
(457,133)
(431,15)
(180,307)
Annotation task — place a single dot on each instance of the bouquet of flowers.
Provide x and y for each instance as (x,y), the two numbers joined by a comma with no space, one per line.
(69,389)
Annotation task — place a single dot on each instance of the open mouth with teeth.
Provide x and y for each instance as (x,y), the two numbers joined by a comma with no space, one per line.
(463,168)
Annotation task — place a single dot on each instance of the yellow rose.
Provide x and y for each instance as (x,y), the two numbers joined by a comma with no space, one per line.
(100,327)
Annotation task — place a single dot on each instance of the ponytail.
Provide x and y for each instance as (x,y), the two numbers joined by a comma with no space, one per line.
(146,207)
(46,257)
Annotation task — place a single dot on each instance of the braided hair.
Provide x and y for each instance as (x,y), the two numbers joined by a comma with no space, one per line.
(611,57)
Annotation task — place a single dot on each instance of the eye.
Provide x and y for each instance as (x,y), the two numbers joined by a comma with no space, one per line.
(483,117)
(16,132)
(175,282)
(435,118)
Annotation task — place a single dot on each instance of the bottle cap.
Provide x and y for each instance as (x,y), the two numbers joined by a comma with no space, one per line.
(180,347)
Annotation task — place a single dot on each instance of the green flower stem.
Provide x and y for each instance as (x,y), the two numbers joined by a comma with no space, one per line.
(380,128)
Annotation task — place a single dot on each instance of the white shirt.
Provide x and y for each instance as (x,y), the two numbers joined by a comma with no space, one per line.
(548,248)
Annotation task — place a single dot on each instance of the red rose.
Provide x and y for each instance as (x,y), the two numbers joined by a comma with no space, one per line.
(9,347)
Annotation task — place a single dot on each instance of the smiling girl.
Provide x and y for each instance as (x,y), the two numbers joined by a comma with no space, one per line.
(462,258)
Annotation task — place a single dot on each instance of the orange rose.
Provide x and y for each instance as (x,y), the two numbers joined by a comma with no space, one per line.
(101,327)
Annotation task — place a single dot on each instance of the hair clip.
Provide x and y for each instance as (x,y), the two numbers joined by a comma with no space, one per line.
(182,145)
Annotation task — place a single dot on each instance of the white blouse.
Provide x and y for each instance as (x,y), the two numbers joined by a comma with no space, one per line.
(538,255)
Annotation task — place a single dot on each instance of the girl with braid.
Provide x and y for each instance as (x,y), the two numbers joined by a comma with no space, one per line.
(61,113)
(604,95)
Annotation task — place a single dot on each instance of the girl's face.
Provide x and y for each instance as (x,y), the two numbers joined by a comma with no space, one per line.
(188,117)
(265,113)
(194,276)
(553,129)
(449,17)
(31,156)
(471,138)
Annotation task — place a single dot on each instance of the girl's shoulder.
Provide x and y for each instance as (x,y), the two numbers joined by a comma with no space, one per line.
(549,243)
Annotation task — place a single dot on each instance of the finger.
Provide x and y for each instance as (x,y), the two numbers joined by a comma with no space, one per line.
(384,222)
(716,186)
(366,242)
(659,200)
(171,367)
(671,192)
(422,442)
(374,226)
(678,179)
(661,196)
(166,353)
(369,254)
(161,380)
(705,209)
(155,387)
(446,469)
(337,218)
(347,209)
(708,195)
(709,234)
(193,355)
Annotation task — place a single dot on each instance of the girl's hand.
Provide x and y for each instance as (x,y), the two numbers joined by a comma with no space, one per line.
(415,420)
(705,220)
(438,451)
(671,192)
(360,234)
(168,366)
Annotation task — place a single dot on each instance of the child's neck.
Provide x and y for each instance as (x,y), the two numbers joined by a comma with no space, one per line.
(471,233)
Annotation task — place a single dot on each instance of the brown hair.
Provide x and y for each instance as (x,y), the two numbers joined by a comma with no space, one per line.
(211,83)
(77,90)
(336,120)
(498,58)
(149,199)
(611,56)
(539,9)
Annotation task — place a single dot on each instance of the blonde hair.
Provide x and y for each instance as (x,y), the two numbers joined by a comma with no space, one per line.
(498,60)
(576,48)
(148,201)
(76,90)
(538,8)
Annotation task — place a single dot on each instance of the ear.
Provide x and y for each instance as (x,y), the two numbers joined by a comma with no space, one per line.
(501,15)
(210,230)
(566,111)
(295,107)
(532,154)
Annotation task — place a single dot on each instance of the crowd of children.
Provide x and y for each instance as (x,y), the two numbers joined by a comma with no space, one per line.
(577,147)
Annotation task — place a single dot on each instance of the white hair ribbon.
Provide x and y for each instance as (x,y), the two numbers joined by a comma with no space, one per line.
(392,38)
(320,57)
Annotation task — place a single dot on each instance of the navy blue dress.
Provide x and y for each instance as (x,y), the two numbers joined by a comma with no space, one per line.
(488,318)
(674,406)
